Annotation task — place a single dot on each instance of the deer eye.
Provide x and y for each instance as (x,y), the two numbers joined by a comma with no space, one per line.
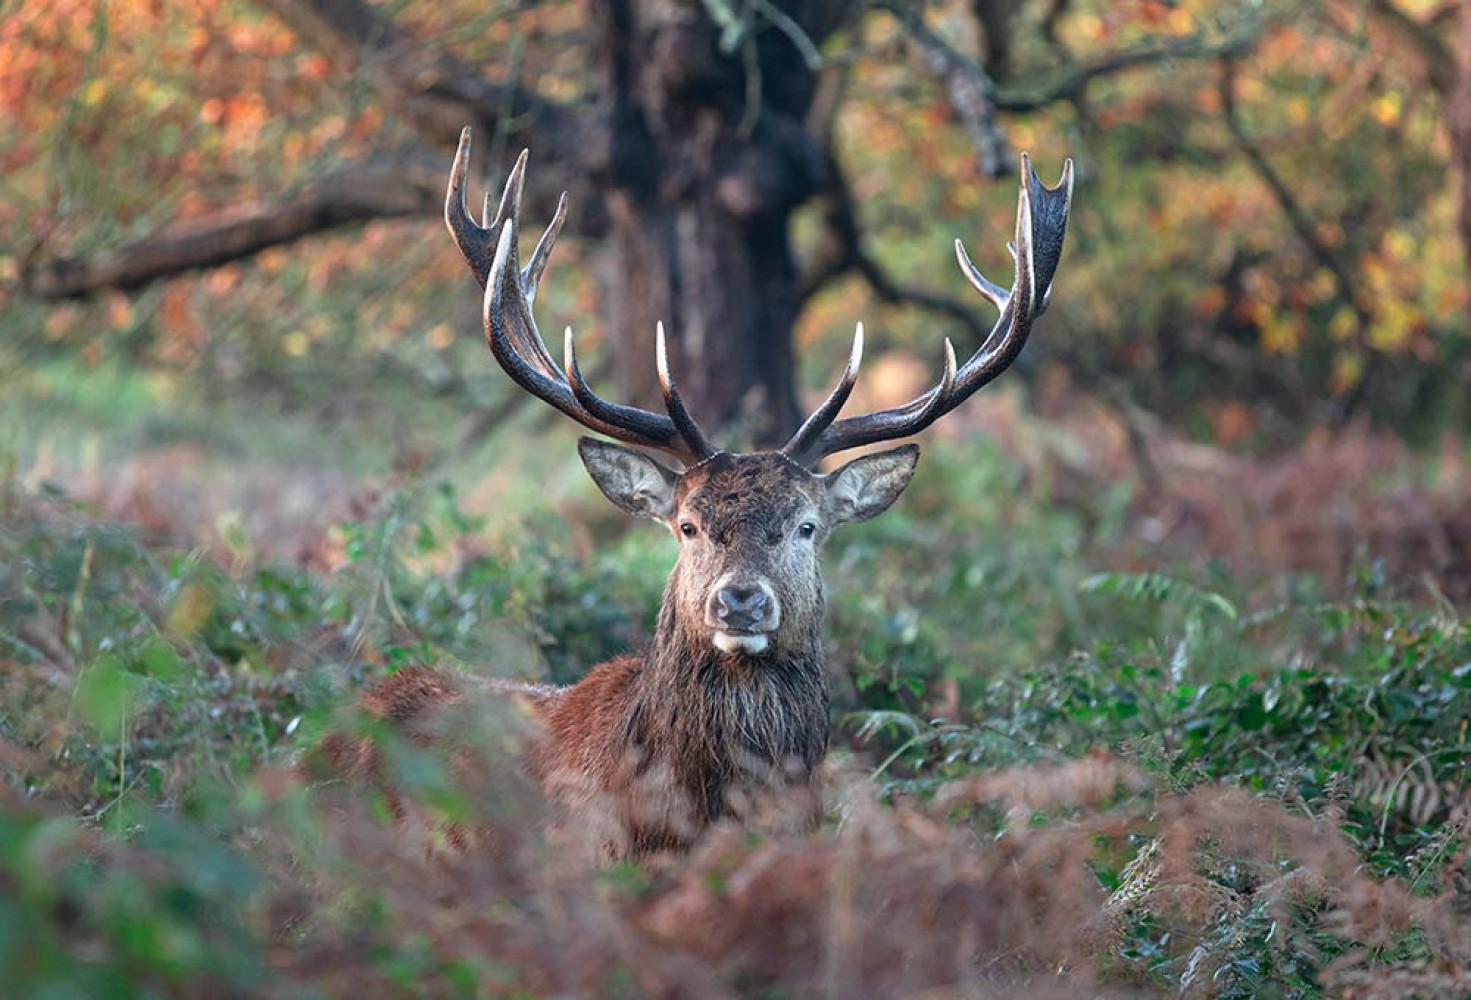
(806,529)
(688,530)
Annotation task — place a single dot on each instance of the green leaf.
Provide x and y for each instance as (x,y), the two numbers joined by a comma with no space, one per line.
(106,694)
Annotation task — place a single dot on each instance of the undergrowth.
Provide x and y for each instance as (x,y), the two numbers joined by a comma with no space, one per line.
(1057,779)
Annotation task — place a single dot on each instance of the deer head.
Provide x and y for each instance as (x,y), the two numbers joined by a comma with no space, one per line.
(750,526)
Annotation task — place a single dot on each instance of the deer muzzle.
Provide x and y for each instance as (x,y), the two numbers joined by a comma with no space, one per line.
(742,614)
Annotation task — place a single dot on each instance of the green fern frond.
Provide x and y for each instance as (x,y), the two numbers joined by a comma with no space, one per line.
(1157,588)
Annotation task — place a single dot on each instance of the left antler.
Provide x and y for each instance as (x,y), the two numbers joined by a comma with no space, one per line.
(490,250)
(1041,223)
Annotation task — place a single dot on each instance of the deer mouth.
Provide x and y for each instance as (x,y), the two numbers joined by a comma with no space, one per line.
(742,614)
(736,641)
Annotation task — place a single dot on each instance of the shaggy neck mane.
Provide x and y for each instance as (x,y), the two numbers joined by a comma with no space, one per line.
(721,720)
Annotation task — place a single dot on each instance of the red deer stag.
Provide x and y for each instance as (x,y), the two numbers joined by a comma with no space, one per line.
(729,698)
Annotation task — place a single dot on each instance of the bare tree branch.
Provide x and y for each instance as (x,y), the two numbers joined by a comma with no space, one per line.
(1458,116)
(1050,20)
(341,30)
(967,85)
(994,18)
(842,252)
(1305,228)
(438,94)
(896,292)
(1422,39)
(351,195)
(1074,80)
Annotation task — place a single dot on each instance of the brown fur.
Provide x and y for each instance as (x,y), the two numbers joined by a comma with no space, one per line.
(650,750)
(405,699)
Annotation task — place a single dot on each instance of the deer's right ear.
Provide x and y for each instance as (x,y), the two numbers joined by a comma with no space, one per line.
(631,479)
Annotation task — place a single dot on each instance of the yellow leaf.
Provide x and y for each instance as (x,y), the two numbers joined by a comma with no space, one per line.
(119,311)
(1280,334)
(1392,325)
(1386,109)
(1399,244)
(296,343)
(190,610)
(1347,368)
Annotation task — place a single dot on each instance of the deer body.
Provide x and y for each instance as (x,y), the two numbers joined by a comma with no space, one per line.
(669,747)
(729,700)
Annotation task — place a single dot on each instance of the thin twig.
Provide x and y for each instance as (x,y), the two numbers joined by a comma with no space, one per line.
(970,89)
(844,253)
(1074,80)
(784,23)
(1305,228)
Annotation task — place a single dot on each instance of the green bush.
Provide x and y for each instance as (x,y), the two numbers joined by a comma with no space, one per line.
(153,843)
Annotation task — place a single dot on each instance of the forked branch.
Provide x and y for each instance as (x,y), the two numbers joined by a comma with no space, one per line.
(969,88)
(1074,81)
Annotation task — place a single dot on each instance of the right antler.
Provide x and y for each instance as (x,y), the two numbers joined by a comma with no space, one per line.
(1041,223)
(515,341)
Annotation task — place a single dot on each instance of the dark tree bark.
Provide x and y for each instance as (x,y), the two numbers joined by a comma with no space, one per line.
(994,18)
(700,186)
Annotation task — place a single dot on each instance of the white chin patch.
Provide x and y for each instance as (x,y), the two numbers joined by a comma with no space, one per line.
(727,643)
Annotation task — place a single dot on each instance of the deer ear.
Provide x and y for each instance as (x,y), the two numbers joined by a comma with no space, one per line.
(866,486)
(631,479)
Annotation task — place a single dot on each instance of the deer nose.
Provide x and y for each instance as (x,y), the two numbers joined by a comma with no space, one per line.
(743,608)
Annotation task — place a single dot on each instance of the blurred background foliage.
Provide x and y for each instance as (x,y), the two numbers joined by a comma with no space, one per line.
(1214,529)
(1265,241)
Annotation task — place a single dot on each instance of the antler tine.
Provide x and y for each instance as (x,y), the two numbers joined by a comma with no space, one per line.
(688,446)
(543,250)
(510,328)
(624,423)
(826,413)
(477,245)
(990,291)
(1041,225)
(510,206)
(683,422)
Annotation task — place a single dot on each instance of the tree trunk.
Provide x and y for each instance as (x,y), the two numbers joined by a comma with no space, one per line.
(700,189)
(726,293)
(1459,115)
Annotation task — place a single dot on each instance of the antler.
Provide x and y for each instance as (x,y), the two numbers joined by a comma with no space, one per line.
(510,290)
(1041,223)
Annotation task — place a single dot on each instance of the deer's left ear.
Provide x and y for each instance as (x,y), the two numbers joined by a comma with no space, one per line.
(866,486)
